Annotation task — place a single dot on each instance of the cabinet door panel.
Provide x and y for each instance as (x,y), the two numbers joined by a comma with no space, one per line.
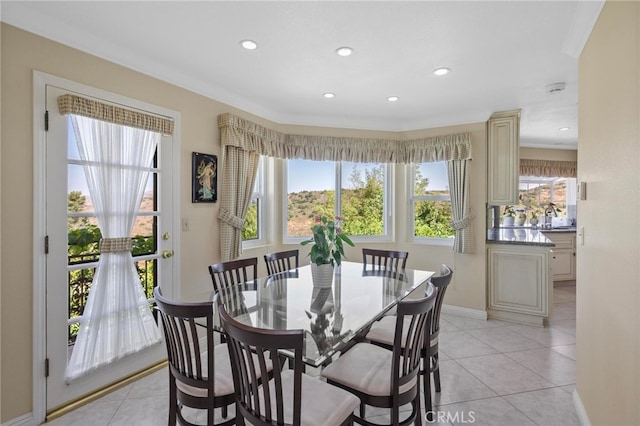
(503,160)
(519,281)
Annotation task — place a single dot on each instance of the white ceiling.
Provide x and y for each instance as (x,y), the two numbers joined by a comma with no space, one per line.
(502,56)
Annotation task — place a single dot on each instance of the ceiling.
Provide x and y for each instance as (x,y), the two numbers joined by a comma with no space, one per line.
(502,56)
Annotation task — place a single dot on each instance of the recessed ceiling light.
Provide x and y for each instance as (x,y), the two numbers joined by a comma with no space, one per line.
(563,129)
(249,44)
(393,98)
(344,51)
(441,71)
(328,95)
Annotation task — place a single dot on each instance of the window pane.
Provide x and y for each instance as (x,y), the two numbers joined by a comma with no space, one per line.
(537,192)
(433,219)
(250,230)
(310,192)
(432,201)
(431,179)
(362,196)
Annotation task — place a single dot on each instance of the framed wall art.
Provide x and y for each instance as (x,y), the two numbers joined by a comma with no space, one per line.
(204,178)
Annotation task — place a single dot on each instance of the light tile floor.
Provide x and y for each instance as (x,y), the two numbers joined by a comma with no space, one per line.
(493,373)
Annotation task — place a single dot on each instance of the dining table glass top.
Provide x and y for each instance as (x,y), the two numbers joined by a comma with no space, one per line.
(329,316)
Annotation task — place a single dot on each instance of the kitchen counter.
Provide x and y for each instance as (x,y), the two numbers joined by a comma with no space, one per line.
(521,236)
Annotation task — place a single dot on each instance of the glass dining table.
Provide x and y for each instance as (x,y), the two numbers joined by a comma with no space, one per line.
(331,317)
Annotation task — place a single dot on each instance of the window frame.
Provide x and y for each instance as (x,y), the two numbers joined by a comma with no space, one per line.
(387,203)
(259,195)
(411,226)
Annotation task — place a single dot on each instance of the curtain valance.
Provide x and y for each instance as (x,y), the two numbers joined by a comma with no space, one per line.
(250,136)
(548,168)
(73,104)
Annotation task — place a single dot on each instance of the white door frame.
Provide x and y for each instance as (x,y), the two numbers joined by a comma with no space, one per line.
(40,80)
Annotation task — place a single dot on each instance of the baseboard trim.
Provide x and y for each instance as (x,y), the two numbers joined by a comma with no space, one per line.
(24,420)
(580,410)
(465,312)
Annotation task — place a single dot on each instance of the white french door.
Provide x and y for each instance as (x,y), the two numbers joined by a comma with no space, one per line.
(72,236)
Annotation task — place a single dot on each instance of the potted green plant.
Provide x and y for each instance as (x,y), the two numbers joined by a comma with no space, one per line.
(327,248)
(533,218)
(508,216)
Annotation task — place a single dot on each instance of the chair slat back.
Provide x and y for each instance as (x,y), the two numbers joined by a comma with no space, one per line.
(441,283)
(256,404)
(384,260)
(407,353)
(281,261)
(226,274)
(184,349)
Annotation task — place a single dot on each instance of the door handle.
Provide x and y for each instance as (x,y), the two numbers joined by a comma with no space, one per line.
(167,254)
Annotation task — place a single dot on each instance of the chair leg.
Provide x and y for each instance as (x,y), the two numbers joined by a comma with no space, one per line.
(428,405)
(173,402)
(418,419)
(225,411)
(436,372)
(211,416)
(362,410)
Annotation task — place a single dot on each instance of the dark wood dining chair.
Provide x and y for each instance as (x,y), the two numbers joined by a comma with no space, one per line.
(290,397)
(382,333)
(199,371)
(281,261)
(388,378)
(384,260)
(233,272)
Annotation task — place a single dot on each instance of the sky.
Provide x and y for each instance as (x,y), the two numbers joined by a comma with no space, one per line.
(319,175)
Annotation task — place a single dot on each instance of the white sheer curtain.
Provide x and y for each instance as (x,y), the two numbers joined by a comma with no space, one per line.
(117,320)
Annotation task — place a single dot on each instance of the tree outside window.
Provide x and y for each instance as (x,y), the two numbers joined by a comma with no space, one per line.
(431,201)
(354,191)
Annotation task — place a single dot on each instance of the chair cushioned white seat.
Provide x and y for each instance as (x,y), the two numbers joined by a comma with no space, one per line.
(321,404)
(223,376)
(382,331)
(365,368)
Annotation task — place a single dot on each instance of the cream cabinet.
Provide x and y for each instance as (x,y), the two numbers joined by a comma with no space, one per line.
(519,283)
(563,256)
(503,157)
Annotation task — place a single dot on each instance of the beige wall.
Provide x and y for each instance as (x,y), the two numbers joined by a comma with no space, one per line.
(22,53)
(549,154)
(608,300)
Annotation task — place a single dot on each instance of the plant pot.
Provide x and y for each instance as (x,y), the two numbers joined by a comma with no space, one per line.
(533,221)
(520,221)
(507,220)
(322,275)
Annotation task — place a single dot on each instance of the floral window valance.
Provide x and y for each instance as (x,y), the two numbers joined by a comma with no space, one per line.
(249,136)
(548,168)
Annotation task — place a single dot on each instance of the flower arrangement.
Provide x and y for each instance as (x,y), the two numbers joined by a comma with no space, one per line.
(509,211)
(327,241)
